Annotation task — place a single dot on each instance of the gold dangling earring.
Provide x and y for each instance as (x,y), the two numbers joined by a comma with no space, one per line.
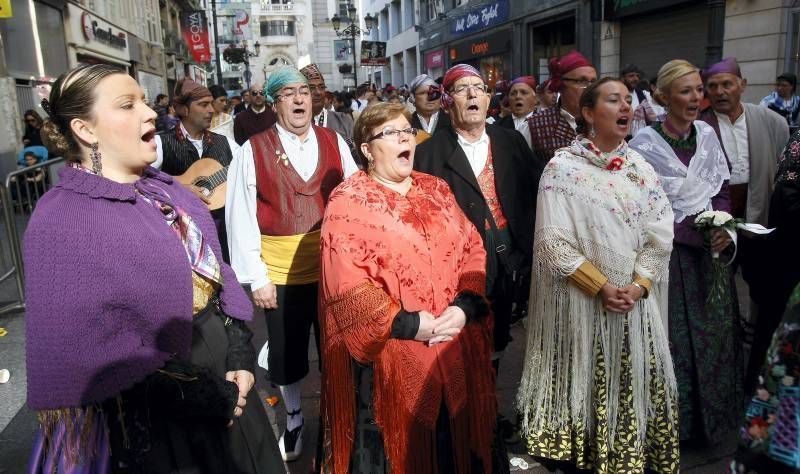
(94,155)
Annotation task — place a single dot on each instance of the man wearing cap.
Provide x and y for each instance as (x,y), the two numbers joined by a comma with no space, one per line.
(783,99)
(322,117)
(522,101)
(753,139)
(643,112)
(426,97)
(179,148)
(494,177)
(256,118)
(554,128)
(278,185)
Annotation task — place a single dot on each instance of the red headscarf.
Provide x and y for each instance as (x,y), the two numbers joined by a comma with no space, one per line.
(186,91)
(529,80)
(559,67)
(451,76)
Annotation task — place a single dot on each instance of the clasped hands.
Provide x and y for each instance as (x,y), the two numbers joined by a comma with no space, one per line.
(433,330)
(244,380)
(620,300)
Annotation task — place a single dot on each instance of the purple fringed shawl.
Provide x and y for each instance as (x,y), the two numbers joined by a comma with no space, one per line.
(109,287)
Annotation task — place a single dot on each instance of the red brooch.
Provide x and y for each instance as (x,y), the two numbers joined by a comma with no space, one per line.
(615,164)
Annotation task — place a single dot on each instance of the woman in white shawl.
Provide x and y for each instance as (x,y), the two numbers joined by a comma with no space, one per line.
(598,390)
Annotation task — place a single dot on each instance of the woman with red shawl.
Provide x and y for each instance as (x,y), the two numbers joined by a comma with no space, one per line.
(405,333)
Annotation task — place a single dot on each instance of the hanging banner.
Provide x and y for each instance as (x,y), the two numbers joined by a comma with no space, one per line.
(5,9)
(241,29)
(195,33)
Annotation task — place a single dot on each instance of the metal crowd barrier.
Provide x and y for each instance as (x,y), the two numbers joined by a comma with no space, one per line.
(19,194)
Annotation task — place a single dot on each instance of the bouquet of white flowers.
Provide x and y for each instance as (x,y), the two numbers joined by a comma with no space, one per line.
(707,221)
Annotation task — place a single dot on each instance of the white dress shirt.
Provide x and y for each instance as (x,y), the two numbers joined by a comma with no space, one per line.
(244,235)
(521,125)
(734,140)
(324,114)
(569,118)
(429,126)
(477,152)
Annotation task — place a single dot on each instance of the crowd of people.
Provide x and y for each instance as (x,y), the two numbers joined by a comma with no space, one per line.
(410,228)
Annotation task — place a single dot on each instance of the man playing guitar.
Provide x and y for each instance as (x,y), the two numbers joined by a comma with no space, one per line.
(180,148)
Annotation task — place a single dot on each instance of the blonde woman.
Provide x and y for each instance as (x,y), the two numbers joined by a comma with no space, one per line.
(705,343)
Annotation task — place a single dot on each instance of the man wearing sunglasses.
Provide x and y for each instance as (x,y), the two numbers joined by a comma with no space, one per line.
(278,185)
(426,97)
(256,118)
(554,128)
(494,177)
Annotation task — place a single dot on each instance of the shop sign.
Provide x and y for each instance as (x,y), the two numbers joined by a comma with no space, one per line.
(496,43)
(480,18)
(434,60)
(621,8)
(95,30)
(373,53)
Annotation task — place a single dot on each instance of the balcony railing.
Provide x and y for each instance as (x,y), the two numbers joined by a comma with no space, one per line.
(277,39)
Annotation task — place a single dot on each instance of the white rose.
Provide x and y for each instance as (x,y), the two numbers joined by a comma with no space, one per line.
(721,218)
(705,216)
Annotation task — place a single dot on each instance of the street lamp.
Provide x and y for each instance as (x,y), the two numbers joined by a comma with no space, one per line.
(247,55)
(352,31)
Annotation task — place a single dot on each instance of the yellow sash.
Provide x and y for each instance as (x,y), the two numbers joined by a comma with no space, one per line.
(291,259)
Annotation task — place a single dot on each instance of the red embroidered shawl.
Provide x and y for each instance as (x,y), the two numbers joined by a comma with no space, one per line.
(382,251)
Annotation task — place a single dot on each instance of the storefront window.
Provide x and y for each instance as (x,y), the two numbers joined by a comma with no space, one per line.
(493,69)
(793,58)
(550,40)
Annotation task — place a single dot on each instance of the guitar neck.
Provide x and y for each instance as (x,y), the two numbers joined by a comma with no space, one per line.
(218,178)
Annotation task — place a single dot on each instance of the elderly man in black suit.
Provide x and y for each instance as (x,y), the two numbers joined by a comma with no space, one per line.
(494,176)
(322,117)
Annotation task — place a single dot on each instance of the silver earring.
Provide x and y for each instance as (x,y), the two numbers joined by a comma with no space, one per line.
(591,132)
(97,166)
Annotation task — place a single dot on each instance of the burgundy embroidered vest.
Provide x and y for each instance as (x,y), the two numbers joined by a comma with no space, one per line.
(489,190)
(549,132)
(287,205)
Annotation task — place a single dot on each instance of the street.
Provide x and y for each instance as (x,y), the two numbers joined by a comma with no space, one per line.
(17,423)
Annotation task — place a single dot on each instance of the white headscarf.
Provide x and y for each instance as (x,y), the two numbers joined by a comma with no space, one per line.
(691,188)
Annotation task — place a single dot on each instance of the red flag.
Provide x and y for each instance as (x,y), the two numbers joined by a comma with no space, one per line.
(195,33)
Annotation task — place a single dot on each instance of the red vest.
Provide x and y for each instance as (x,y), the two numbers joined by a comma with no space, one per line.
(287,205)
(489,190)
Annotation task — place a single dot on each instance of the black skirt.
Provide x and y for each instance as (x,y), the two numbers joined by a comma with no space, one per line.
(154,442)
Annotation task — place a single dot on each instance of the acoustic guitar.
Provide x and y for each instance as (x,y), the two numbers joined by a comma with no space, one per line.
(211,177)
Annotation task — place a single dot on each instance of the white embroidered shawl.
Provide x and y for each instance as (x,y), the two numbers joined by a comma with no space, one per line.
(691,188)
(621,221)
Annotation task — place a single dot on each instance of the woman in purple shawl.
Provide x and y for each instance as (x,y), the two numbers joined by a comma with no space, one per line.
(138,356)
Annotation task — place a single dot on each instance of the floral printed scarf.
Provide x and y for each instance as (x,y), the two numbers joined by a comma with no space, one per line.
(789,163)
(613,160)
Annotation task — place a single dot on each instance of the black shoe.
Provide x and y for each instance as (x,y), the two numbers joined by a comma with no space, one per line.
(291,444)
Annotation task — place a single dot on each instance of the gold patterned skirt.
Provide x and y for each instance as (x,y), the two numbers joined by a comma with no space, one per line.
(626,454)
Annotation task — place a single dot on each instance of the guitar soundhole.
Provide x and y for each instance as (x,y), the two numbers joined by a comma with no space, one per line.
(202,183)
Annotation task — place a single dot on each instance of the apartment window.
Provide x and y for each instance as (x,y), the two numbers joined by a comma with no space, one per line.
(342,10)
(277,28)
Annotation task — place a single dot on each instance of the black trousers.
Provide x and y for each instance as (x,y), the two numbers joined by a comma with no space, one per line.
(501,297)
(288,329)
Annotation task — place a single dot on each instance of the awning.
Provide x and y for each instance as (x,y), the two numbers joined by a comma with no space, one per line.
(103,56)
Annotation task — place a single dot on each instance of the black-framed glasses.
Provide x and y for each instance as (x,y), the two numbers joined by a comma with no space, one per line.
(393,132)
(461,90)
(583,83)
(257,93)
(319,88)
